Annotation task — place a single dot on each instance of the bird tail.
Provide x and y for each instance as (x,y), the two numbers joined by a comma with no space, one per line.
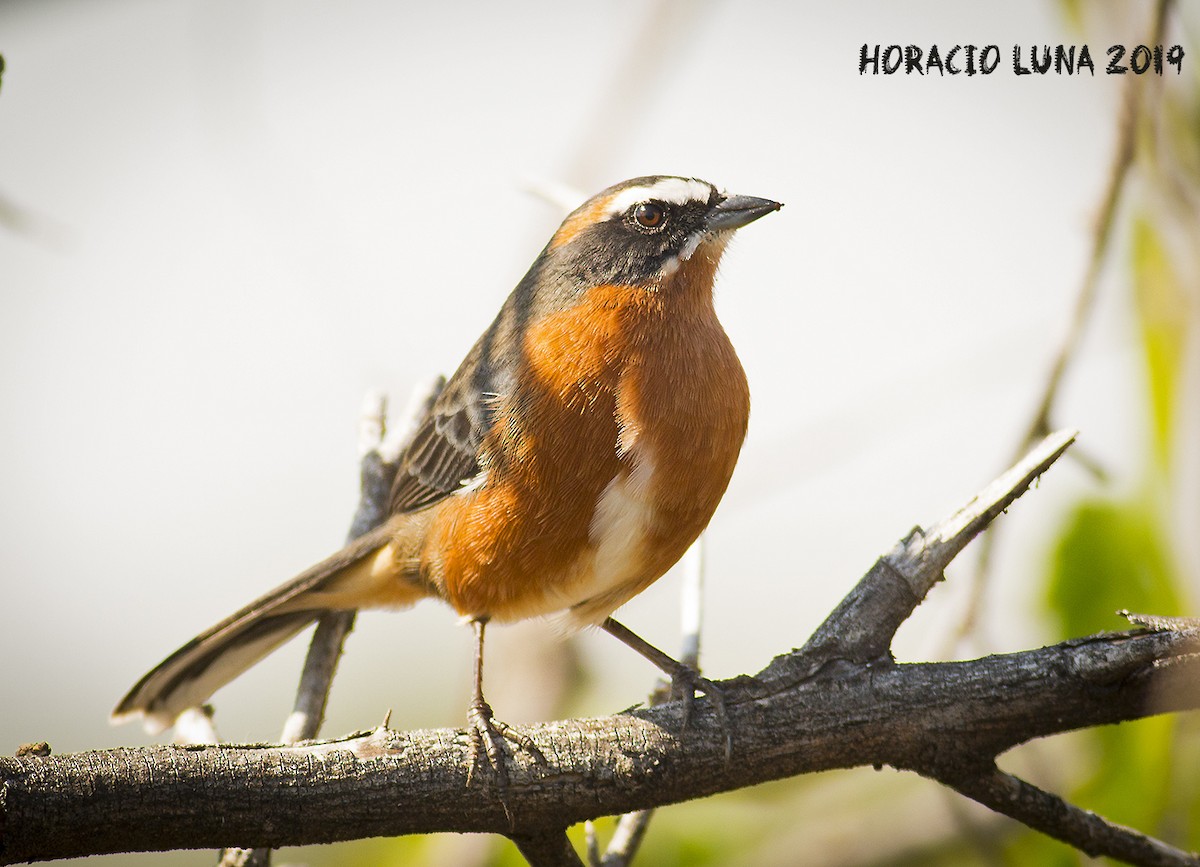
(366,572)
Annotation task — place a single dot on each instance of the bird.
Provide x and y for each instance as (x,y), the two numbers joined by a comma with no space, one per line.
(576,453)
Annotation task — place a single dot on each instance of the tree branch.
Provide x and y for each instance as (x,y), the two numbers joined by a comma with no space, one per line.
(631,827)
(1052,815)
(862,626)
(839,702)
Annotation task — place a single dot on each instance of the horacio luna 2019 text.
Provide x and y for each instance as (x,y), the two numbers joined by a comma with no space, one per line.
(1026,60)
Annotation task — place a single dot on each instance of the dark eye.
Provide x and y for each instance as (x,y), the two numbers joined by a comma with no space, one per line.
(649,215)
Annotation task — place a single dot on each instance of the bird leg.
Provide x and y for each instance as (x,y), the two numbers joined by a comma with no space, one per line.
(685,680)
(488,733)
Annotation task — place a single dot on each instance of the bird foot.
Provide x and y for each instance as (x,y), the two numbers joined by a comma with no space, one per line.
(488,735)
(685,683)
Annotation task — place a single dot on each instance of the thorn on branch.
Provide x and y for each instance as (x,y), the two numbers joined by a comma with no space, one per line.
(1158,623)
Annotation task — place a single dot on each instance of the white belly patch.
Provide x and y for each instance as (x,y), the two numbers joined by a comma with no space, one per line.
(624,514)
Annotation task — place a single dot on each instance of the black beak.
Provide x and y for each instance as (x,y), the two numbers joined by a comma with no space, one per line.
(733,212)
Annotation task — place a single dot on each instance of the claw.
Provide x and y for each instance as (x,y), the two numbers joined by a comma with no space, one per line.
(685,682)
(488,735)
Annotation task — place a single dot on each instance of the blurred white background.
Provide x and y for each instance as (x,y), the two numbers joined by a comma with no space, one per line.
(235,218)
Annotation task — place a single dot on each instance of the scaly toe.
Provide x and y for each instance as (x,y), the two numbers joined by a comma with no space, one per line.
(684,685)
(486,739)
(488,735)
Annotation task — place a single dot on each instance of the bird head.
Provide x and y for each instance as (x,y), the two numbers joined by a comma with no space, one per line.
(646,231)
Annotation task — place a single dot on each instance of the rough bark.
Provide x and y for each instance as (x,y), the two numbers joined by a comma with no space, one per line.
(841,701)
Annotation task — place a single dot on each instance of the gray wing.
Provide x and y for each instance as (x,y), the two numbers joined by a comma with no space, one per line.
(445,453)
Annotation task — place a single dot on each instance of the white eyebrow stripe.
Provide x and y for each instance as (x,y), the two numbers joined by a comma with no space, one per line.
(677,191)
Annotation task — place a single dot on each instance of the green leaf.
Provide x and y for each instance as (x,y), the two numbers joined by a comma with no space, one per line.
(1110,555)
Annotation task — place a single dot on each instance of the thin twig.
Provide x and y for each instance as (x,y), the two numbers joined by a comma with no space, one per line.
(862,626)
(1160,624)
(691,604)
(1083,829)
(547,849)
(631,827)
(627,838)
(1085,301)
(244,858)
(377,472)
(316,678)
(325,648)
(1118,174)
(377,469)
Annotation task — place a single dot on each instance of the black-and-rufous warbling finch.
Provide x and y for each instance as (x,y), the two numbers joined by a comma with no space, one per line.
(579,449)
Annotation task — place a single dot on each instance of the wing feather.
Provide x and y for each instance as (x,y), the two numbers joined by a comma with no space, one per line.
(445,454)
